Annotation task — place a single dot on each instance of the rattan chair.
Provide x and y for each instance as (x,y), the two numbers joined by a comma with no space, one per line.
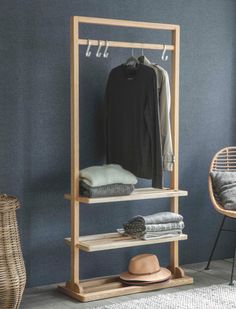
(223,161)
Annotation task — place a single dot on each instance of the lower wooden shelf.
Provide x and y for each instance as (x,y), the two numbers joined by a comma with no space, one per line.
(110,241)
(106,287)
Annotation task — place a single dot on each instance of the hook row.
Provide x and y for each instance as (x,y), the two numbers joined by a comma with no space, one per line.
(164,57)
(98,53)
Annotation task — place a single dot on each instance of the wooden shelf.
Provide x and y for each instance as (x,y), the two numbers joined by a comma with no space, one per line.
(110,241)
(105,287)
(137,194)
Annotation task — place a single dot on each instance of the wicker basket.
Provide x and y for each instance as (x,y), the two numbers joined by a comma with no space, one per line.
(12,268)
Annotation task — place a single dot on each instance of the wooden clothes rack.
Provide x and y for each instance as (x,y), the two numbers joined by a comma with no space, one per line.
(105,287)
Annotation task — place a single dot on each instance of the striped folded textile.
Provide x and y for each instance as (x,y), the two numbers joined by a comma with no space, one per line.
(151,235)
(156,225)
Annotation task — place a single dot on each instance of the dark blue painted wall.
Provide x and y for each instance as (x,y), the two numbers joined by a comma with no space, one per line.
(34,122)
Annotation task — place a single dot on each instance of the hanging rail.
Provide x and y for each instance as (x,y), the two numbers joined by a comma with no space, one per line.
(125,44)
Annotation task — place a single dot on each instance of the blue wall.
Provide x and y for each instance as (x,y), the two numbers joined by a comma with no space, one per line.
(34,123)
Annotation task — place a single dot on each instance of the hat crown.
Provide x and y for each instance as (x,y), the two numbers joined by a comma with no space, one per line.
(144,264)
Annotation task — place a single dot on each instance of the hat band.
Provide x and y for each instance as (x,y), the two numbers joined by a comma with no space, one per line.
(144,274)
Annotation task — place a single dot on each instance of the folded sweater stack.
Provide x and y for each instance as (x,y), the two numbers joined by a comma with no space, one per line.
(159,225)
(106,180)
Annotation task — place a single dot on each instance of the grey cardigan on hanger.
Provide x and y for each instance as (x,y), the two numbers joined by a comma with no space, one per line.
(163,93)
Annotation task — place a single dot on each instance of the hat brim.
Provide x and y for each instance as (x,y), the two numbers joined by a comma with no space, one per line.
(162,275)
(141,283)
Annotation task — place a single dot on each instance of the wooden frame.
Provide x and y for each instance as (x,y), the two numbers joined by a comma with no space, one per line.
(93,289)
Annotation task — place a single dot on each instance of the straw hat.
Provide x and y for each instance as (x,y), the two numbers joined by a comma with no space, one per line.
(146,268)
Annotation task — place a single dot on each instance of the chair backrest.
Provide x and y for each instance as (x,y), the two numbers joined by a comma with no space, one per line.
(223,161)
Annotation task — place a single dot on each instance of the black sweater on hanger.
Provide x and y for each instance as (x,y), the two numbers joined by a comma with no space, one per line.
(133,130)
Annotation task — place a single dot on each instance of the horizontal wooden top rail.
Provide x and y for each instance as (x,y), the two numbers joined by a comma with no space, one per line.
(125,23)
(125,44)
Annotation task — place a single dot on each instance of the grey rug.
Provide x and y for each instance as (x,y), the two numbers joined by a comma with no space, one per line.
(220,296)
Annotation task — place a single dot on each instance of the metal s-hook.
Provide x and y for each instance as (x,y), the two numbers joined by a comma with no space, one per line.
(98,53)
(105,53)
(163,56)
(88,52)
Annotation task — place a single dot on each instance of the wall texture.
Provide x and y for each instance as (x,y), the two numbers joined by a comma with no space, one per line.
(34,123)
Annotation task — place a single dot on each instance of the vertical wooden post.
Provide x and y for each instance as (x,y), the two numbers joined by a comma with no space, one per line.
(174,247)
(74,101)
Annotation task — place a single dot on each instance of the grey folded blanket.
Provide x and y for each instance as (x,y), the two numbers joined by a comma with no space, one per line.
(140,228)
(152,235)
(107,190)
(163,234)
(96,176)
(158,224)
(224,184)
(160,217)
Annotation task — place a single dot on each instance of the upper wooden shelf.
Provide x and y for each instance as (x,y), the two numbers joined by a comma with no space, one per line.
(110,241)
(137,194)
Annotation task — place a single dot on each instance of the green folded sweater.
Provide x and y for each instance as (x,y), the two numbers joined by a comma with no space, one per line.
(96,176)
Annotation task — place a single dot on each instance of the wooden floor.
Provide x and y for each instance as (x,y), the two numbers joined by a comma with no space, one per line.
(47,297)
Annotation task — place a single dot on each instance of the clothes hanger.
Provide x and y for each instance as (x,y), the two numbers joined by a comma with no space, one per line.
(132,61)
(142,55)
(143,58)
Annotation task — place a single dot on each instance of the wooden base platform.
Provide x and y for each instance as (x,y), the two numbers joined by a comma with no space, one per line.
(106,287)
